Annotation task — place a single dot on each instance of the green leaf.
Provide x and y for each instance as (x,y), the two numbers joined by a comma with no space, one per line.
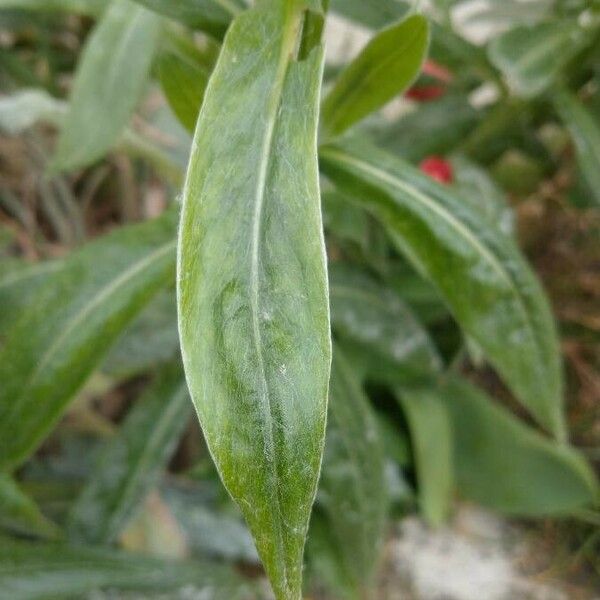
(475,186)
(151,339)
(372,13)
(372,316)
(44,571)
(479,272)
(433,128)
(19,282)
(183,77)
(109,81)
(92,8)
(352,490)
(387,66)
(431,438)
(531,58)
(73,320)
(585,131)
(131,463)
(252,284)
(503,464)
(211,16)
(20,514)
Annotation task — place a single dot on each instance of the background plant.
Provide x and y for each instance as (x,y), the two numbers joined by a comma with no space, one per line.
(427,288)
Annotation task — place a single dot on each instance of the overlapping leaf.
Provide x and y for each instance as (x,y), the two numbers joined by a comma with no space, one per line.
(37,571)
(479,272)
(532,57)
(132,461)
(386,66)
(72,321)
(372,316)
(431,437)
(585,131)
(20,514)
(352,490)
(183,76)
(253,305)
(110,78)
(212,16)
(503,464)
(372,13)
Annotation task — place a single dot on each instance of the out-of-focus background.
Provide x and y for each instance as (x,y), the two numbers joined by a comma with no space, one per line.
(482,120)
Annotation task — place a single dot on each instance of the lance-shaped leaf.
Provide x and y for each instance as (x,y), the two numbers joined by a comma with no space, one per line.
(374,318)
(352,490)
(585,131)
(479,271)
(130,465)
(152,339)
(110,78)
(387,65)
(40,571)
(72,322)
(211,16)
(503,464)
(19,513)
(532,57)
(431,438)
(252,283)
(183,76)
(19,282)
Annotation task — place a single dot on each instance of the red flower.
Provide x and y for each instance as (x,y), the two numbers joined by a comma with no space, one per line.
(425,91)
(437,71)
(437,168)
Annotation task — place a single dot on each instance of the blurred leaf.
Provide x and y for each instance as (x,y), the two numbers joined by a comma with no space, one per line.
(531,58)
(132,461)
(151,339)
(518,173)
(431,437)
(50,571)
(343,220)
(387,65)
(352,490)
(211,16)
(371,13)
(91,8)
(73,320)
(210,531)
(110,79)
(19,282)
(419,294)
(480,273)
(183,77)
(20,514)
(29,107)
(432,128)
(375,318)
(394,440)
(489,17)
(503,464)
(585,131)
(25,108)
(473,184)
(253,305)
(326,561)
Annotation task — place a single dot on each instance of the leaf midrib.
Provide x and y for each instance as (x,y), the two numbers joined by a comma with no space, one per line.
(78,318)
(457,226)
(288,41)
